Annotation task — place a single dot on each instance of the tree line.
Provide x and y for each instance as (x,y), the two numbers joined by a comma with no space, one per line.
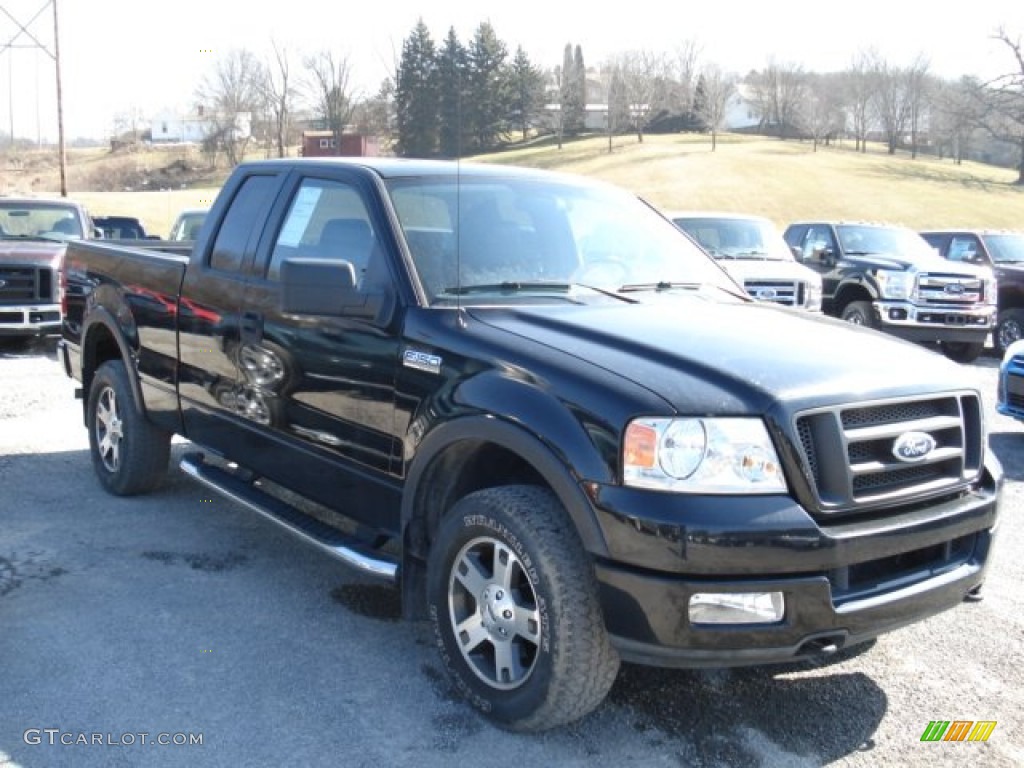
(453,98)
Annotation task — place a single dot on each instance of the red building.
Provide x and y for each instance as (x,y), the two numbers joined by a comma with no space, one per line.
(325,144)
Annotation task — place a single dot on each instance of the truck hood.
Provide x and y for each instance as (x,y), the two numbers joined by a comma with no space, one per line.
(36,252)
(924,263)
(764,269)
(704,357)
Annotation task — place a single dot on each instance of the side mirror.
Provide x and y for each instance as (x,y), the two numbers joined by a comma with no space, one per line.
(328,287)
(797,252)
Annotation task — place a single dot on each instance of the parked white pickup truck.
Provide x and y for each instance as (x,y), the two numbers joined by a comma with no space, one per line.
(752,250)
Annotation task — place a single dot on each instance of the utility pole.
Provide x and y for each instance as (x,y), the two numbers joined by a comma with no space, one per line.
(62,154)
(23,29)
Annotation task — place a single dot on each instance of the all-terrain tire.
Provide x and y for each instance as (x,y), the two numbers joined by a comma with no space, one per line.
(129,454)
(513,600)
(963,351)
(859,313)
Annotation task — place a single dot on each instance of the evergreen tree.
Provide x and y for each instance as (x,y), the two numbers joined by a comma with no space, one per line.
(579,72)
(453,67)
(572,91)
(527,91)
(416,95)
(488,99)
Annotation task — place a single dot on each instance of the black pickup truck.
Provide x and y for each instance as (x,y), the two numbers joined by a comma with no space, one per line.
(1002,251)
(538,408)
(887,277)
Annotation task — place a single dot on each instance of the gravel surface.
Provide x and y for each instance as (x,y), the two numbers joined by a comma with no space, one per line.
(184,615)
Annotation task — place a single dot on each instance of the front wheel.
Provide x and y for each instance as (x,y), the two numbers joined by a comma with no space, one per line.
(963,351)
(129,454)
(513,600)
(859,313)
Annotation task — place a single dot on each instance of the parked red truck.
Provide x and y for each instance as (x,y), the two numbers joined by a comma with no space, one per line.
(33,234)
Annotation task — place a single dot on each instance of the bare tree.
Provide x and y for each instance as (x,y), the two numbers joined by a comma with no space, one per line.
(858,91)
(818,113)
(778,92)
(1005,97)
(331,94)
(718,89)
(957,111)
(892,100)
(279,96)
(683,77)
(643,76)
(228,98)
(918,85)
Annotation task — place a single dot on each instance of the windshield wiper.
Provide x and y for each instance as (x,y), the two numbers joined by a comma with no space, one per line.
(661,285)
(527,286)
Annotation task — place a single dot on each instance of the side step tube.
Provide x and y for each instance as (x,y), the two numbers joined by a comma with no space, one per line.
(309,529)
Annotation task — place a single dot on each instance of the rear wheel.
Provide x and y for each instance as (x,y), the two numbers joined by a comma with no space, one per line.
(1009,328)
(859,313)
(513,600)
(129,454)
(963,351)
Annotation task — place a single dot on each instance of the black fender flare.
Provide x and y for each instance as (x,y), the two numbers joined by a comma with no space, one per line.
(102,317)
(518,440)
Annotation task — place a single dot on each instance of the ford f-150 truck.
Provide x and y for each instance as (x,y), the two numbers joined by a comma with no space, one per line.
(33,232)
(534,405)
(887,277)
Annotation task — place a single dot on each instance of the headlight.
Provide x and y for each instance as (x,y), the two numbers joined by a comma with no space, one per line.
(725,455)
(894,285)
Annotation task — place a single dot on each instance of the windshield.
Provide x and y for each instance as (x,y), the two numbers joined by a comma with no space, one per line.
(38,219)
(1006,249)
(862,239)
(497,237)
(734,238)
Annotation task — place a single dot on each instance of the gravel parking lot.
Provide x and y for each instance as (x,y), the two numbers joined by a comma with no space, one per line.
(134,628)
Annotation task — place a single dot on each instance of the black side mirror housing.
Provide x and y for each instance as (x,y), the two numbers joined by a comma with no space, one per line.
(328,287)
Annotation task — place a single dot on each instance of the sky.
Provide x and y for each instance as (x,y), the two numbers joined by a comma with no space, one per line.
(118,55)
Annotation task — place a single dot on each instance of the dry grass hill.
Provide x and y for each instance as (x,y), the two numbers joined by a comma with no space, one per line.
(784,180)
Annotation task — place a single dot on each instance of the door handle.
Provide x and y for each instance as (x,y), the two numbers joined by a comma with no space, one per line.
(251,331)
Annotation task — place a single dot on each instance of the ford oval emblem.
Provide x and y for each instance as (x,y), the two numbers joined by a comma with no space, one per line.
(766,294)
(954,288)
(913,446)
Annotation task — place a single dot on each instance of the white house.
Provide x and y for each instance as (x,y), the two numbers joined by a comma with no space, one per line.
(740,110)
(171,127)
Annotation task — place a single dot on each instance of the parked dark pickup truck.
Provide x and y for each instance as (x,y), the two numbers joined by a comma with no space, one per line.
(887,277)
(1004,253)
(543,412)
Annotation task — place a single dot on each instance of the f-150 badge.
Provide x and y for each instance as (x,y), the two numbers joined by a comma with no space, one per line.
(421,361)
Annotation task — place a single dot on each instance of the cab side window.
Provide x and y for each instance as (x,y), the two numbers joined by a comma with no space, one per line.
(964,248)
(251,203)
(326,220)
(817,241)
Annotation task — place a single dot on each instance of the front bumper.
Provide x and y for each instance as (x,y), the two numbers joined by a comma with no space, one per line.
(844,582)
(934,323)
(30,320)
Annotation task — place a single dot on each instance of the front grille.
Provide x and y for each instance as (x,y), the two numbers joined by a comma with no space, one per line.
(25,284)
(850,458)
(949,289)
(789,293)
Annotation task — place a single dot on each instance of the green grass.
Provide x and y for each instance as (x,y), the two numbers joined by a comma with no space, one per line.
(784,180)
